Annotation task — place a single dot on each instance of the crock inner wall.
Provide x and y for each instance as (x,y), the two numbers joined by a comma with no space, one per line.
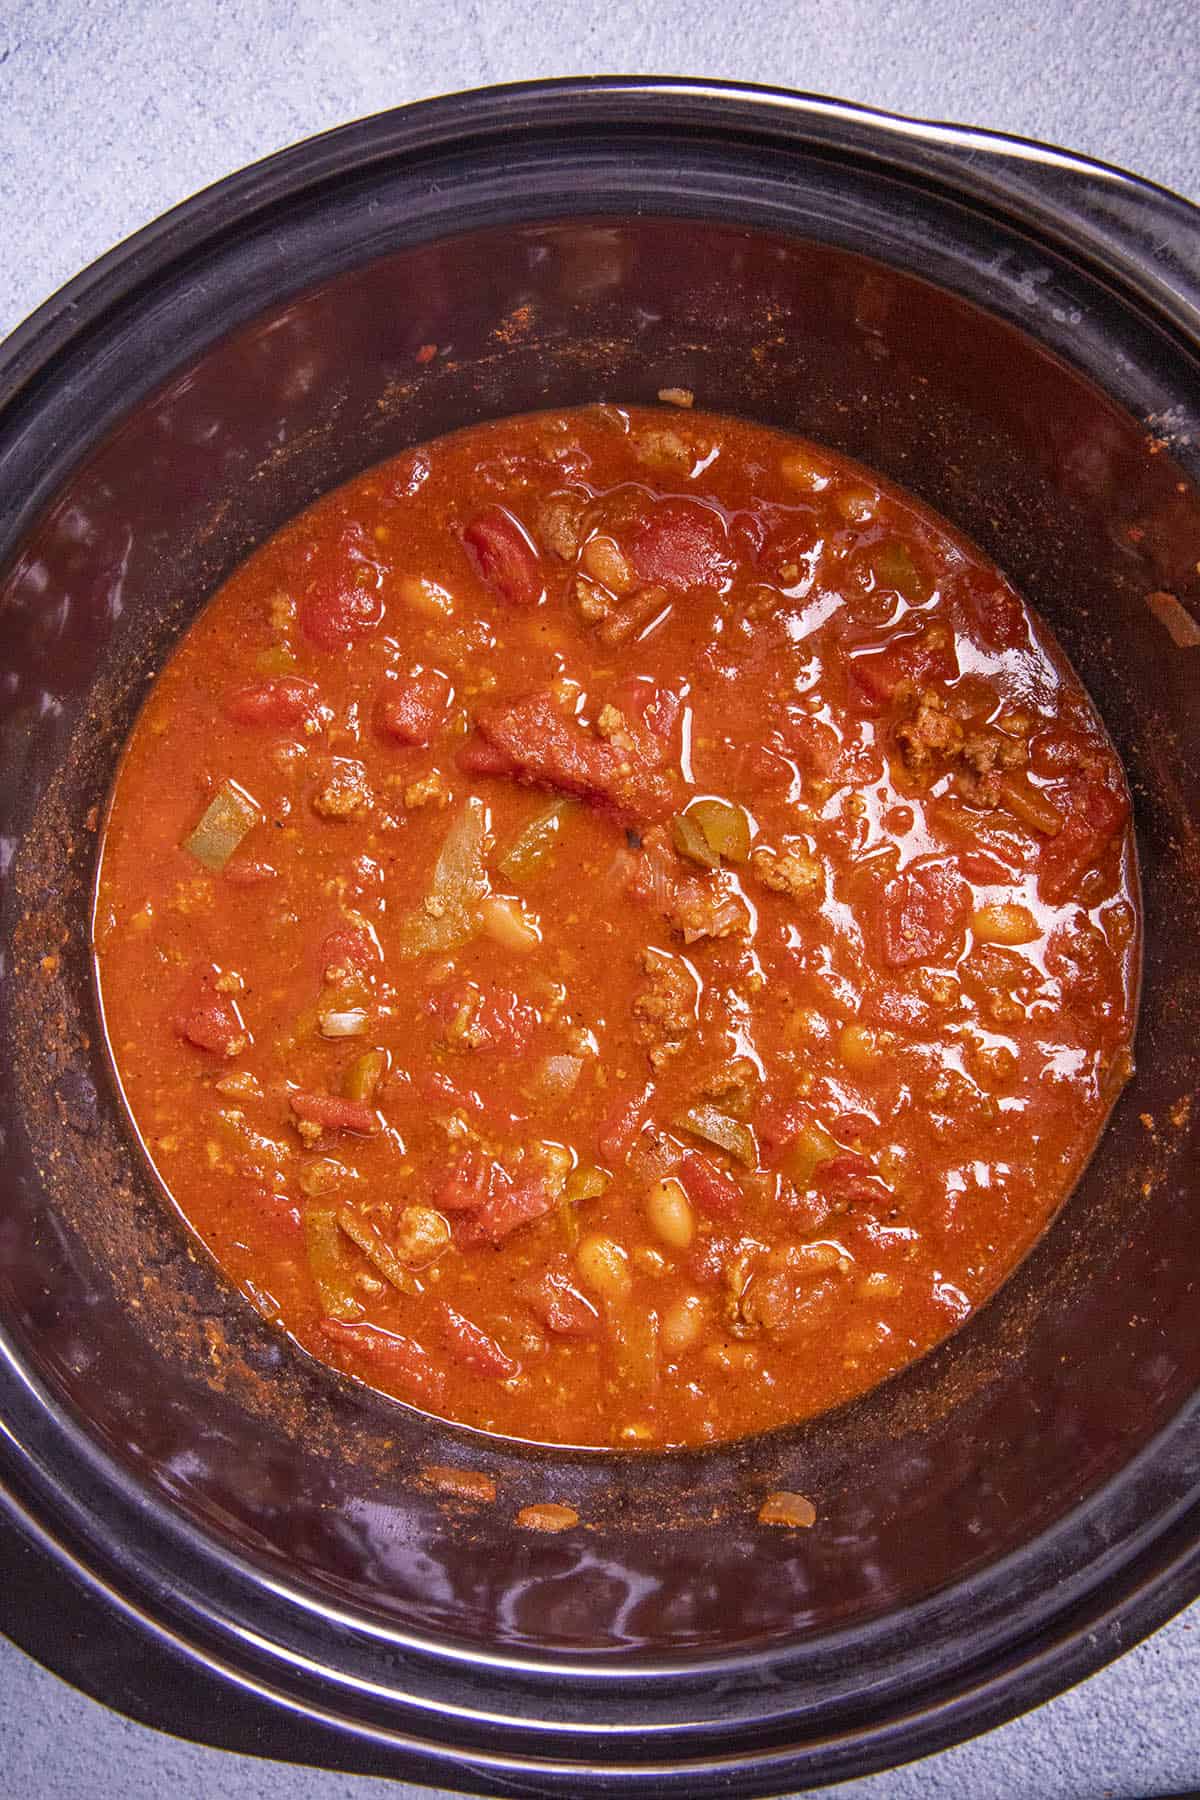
(283,377)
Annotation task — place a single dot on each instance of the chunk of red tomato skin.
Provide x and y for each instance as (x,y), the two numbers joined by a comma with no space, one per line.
(832,756)
(781,556)
(470,1345)
(436,1087)
(349,949)
(707,1258)
(507,1208)
(923,913)
(281,701)
(1084,786)
(776,1125)
(914,659)
(682,544)
(624,1125)
(716,1194)
(469,1182)
(412,709)
(278,1210)
(208,1020)
(849,1178)
(332,1112)
(342,602)
(504,556)
(248,871)
(559,1306)
(653,712)
(498,1019)
(994,615)
(533,743)
(396,1357)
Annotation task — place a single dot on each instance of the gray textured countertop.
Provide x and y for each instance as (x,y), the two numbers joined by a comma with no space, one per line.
(112,110)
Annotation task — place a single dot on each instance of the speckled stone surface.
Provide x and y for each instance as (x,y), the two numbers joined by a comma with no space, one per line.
(112,110)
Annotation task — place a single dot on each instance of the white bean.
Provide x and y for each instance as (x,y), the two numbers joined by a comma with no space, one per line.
(604,1266)
(682,1324)
(669,1213)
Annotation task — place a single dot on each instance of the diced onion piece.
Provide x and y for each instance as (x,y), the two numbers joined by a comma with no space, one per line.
(325,1260)
(1004,924)
(1029,806)
(811,1146)
(783,1508)
(450,914)
(324,1176)
(893,567)
(362,1232)
(534,842)
(731,1135)
(636,1350)
(559,1074)
(278,660)
(364,1075)
(585,1184)
(504,920)
(690,841)
(726,827)
(342,1024)
(226,820)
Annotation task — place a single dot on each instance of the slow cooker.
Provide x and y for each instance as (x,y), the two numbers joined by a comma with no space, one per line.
(206,1529)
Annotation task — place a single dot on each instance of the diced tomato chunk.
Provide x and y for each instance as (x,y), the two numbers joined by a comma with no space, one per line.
(333,1113)
(782,557)
(508,1208)
(472,1346)
(468,1182)
(715,1193)
(844,757)
(346,950)
(998,617)
(504,556)
(624,1125)
(248,871)
(924,910)
(777,1123)
(283,700)
(682,544)
(398,1358)
(561,1308)
(483,1018)
(849,1177)
(532,742)
(1093,812)
(915,658)
(209,1020)
(652,715)
(412,708)
(342,602)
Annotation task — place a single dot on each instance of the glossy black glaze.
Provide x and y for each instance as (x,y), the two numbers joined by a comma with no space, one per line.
(1013,334)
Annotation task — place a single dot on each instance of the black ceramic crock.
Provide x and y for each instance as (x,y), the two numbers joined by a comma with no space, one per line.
(202,1527)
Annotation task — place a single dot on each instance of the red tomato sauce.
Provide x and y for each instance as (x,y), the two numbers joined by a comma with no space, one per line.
(618,928)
